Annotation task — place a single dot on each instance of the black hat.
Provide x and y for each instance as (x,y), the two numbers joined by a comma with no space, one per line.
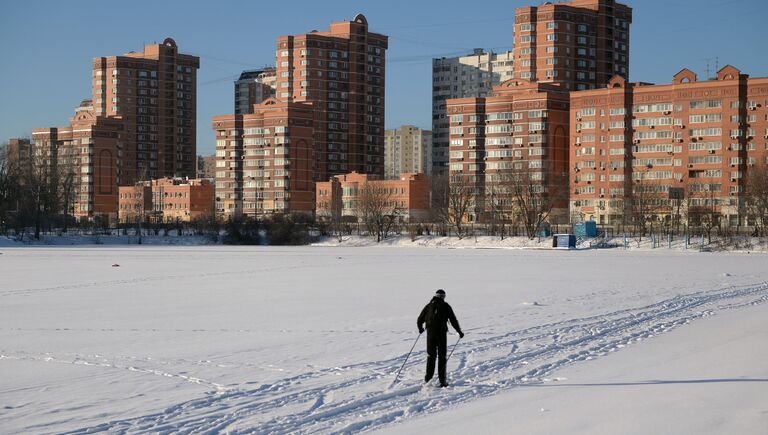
(440,293)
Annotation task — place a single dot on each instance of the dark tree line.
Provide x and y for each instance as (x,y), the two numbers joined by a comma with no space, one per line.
(37,191)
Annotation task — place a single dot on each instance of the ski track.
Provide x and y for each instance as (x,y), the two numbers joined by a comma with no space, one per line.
(360,397)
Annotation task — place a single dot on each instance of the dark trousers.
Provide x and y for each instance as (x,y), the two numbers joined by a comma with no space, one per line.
(437,342)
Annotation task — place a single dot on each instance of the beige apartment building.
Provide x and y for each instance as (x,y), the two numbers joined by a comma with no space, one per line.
(407,149)
(668,154)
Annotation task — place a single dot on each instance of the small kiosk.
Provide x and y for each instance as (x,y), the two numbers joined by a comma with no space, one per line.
(564,241)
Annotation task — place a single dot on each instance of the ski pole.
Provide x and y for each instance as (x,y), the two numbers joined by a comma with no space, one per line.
(454,348)
(406,357)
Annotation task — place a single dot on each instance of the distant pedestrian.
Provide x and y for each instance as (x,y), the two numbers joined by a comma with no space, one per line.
(436,315)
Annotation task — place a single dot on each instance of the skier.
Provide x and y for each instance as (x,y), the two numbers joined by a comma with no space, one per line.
(436,315)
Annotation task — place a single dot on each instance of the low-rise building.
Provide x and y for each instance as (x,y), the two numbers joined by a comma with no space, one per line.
(407,198)
(166,200)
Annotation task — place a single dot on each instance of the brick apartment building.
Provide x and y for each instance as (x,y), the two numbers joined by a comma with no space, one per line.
(166,200)
(327,118)
(341,71)
(669,153)
(408,197)
(86,151)
(581,43)
(155,94)
(473,75)
(519,131)
(140,124)
(265,160)
(407,149)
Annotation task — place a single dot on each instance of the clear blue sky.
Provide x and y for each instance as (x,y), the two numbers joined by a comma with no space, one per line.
(47,46)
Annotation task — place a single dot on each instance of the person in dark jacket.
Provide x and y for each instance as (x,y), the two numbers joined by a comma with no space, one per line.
(436,315)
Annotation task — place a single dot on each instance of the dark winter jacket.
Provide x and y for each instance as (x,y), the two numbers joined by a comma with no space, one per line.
(436,315)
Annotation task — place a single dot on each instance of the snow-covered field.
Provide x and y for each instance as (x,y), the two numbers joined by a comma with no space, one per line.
(308,339)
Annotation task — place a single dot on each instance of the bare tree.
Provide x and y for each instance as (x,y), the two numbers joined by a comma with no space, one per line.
(337,211)
(645,202)
(439,206)
(376,209)
(461,196)
(756,197)
(9,190)
(705,213)
(68,183)
(39,189)
(533,196)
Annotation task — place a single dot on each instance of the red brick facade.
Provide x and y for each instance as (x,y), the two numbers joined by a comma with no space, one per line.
(633,142)
(520,130)
(166,200)
(264,160)
(155,93)
(581,43)
(88,149)
(407,197)
(341,71)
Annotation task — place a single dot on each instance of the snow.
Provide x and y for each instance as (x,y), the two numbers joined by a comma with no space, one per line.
(308,339)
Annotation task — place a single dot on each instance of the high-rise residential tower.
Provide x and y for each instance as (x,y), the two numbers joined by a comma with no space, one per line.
(407,149)
(155,94)
(341,71)
(253,87)
(517,136)
(581,43)
(470,76)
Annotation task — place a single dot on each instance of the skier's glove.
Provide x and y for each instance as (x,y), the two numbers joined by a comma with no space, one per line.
(461,334)
(421,330)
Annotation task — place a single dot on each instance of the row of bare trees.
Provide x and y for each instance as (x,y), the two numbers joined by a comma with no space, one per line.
(647,208)
(36,191)
(511,200)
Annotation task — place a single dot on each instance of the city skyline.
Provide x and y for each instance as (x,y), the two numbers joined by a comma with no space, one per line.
(665,39)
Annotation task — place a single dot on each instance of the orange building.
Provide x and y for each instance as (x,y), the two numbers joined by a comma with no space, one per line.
(341,71)
(166,200)
(85,151)
(408,197)
(265,160)
(521,131)
(155,93)
(668,153)
(580,43)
